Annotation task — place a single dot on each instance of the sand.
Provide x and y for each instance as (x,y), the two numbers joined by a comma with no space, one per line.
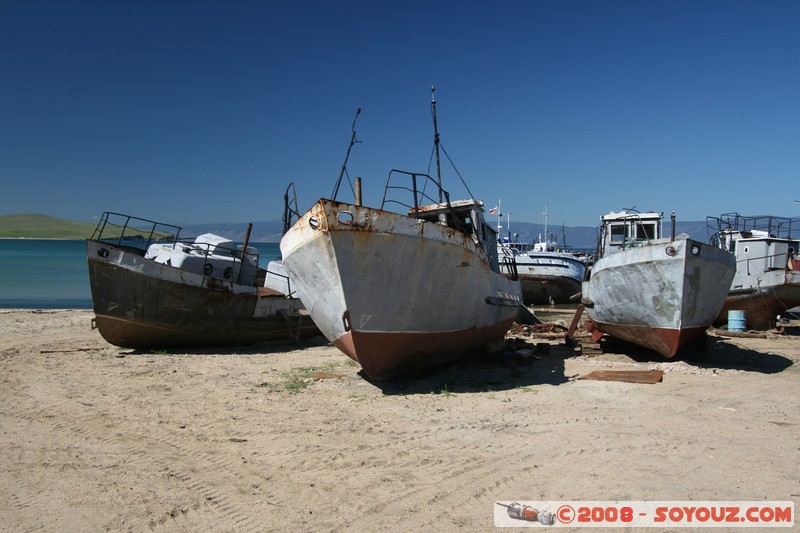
(97,438)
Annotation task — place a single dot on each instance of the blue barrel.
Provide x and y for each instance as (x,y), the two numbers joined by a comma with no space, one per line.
(737,320)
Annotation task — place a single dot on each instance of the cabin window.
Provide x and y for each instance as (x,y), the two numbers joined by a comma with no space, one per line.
(646,231)
(618,232)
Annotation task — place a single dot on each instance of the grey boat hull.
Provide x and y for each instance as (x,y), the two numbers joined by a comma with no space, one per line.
(660,296)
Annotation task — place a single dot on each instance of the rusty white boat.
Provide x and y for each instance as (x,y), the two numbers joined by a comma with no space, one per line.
(767,280)
(152,289)
(659,293)
(401,291)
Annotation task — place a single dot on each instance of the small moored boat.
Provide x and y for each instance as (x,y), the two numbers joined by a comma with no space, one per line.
(659,293)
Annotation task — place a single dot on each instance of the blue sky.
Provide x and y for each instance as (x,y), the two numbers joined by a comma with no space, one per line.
(203,111)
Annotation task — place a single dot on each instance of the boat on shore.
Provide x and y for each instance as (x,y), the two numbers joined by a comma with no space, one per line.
(404,290)
(659,293)
(153,289)
(547,274)
(767,280)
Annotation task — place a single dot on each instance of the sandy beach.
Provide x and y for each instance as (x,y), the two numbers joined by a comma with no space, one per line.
(292,438)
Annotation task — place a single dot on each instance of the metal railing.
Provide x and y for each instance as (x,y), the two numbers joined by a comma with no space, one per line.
(139,233)
(120,229)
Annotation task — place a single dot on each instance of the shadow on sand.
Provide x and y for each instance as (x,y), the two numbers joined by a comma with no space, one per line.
(713,352)
(482,373)
(277,346)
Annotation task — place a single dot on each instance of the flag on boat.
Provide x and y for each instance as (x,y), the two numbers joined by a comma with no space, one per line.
(492,211)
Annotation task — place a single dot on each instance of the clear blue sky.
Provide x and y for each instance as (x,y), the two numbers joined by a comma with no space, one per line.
(203,111)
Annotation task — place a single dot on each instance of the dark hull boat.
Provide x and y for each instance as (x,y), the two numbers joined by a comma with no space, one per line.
(152,290)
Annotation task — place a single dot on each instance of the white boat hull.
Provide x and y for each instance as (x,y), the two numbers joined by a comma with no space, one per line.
(549,277)
(396,293)
(659,301)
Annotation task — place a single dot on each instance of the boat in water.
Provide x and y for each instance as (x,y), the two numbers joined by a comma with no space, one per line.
(767,280)
(659,293)
(153,289)
(405,289)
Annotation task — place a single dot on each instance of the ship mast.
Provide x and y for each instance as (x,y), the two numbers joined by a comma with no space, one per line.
(346,157)
(436,142)
(546,235)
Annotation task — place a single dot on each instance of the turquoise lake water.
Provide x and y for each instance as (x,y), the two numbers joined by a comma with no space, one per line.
(53,274)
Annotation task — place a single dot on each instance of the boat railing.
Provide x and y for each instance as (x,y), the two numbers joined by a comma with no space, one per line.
(130,231)
(748,226)
(778,261)
(419,185)
(289,292)
(290,209)
(508,265)
(134,233)
(422,202)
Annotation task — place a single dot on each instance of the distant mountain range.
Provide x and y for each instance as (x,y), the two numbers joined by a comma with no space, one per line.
(34,226)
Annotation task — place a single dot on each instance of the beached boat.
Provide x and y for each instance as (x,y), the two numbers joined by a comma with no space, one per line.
(153,289)
(547,276)
(402,291)
(659,293)
(767,280)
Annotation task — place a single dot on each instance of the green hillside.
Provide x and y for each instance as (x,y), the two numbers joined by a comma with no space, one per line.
(43,227)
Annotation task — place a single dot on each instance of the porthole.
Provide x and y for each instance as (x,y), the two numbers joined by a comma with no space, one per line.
(345,217)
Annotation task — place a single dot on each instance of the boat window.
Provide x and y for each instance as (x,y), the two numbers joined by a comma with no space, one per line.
(646,231)
(618,232)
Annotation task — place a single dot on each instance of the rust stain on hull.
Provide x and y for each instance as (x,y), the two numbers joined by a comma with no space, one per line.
(389,355)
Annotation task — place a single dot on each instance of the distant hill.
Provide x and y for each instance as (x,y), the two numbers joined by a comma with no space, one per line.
(32,226)
(47,227)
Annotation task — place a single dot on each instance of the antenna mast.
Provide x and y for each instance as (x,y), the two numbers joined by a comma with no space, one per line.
(436,142)
(344,165)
